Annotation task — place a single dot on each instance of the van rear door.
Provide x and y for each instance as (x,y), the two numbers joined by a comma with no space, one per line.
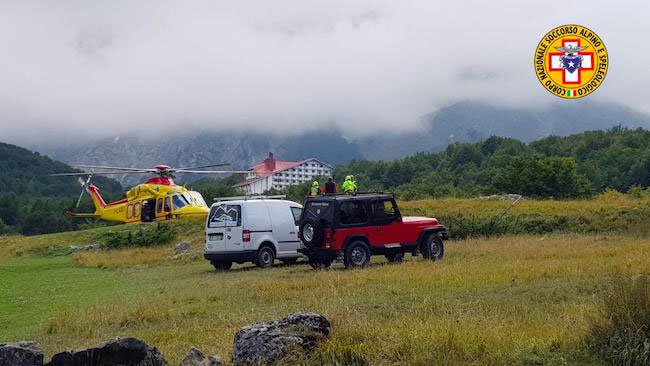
(285,230)
(224,226)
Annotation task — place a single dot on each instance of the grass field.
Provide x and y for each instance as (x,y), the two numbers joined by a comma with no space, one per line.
(510,300)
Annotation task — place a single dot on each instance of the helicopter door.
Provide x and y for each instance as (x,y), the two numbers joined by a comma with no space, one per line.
(148,210)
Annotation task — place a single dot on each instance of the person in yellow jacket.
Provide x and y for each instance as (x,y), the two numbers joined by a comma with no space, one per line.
(349,185)
(315,189)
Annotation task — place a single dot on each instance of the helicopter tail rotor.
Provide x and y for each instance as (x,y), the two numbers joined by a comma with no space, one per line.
(84,188)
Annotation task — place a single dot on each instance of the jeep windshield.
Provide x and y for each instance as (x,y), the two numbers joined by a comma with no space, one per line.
(321,210)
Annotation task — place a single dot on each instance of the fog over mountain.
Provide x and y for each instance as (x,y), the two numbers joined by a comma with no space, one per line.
(76,71)
(464,122)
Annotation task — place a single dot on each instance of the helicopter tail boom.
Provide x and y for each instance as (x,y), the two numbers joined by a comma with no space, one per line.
(98,201)
(69,213)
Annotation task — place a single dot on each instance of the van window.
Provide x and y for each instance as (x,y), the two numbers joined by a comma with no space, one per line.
(225,216)
(353,212)
(296,211)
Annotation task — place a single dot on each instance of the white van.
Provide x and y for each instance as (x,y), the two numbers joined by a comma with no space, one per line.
(252,229)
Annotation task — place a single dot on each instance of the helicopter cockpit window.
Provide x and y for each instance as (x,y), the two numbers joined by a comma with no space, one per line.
(179,201)
(159,205)
(188,197)
(198,198)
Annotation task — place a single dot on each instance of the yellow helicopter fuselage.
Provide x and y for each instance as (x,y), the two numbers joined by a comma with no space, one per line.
(156,200)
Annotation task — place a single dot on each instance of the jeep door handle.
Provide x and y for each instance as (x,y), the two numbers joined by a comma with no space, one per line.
(292,232)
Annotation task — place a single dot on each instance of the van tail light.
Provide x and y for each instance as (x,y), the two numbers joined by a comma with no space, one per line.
(246,235)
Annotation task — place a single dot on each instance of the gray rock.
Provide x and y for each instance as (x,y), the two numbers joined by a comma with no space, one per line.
(267,343)
(182,248)
(116,352)
(78,248)
(21,354)
(196,358)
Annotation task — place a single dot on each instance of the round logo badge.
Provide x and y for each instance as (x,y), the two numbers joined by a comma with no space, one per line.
(571,61)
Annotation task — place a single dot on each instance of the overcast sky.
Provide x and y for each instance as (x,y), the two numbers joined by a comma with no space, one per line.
(103,68)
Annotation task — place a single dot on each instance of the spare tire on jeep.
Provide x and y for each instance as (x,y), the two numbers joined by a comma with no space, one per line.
(311,233)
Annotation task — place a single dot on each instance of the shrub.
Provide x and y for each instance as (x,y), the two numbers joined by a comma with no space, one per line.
(619,333)
(144,236)
(5,229)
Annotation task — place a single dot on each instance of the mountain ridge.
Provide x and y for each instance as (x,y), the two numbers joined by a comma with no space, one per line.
(465,121)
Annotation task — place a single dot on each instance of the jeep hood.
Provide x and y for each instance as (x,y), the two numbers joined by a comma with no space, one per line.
(419,220)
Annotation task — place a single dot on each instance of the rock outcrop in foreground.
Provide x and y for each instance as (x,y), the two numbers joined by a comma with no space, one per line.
(119,351)
(21,354)
(291,338)
(267,343)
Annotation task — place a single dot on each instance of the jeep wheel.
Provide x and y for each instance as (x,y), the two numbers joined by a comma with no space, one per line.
(265,257)
(395,257)
(311,233)
(222,266)
(433,248)
(320,263)
(357,255)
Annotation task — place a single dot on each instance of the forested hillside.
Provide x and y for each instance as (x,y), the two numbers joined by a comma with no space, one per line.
(31,202)
(562,167)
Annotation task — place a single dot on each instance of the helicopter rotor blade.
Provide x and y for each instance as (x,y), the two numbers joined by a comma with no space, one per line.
(93,173)
(114,168)
(80,197)
(212,171)
(201,167)
(69,174)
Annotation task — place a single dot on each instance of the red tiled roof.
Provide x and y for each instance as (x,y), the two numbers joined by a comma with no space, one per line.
(268,167)
(279,165)
(262,171)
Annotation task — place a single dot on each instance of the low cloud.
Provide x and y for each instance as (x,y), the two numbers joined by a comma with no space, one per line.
(79,69)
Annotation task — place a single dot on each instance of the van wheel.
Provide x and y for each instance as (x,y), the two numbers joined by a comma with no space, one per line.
(222,266)
(395,257)
(289,261)
(357,255)
(433,248)
(265,257)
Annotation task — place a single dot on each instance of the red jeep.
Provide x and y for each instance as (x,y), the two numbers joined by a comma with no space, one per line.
(357,226)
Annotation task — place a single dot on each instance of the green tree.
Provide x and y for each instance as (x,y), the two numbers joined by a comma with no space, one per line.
(539,176)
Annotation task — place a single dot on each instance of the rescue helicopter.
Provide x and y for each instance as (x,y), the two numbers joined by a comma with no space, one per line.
(157,199)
